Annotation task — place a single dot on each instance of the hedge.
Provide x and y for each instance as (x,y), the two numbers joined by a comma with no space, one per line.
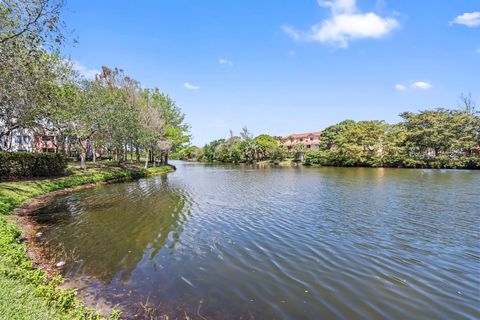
(332,158)
(14,165)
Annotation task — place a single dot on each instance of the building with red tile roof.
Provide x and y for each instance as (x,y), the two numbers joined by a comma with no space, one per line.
(311,140)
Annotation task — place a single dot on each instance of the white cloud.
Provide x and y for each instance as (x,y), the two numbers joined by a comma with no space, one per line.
(339,6)
(421,85)
(190,86)
(469,19)
(225,61)
(85,72)
(346,23)
(292,32)
(400,87)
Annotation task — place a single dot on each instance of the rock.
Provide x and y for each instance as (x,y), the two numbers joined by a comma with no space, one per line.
(60,265)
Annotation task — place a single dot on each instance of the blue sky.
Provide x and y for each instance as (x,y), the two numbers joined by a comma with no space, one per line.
(280,67)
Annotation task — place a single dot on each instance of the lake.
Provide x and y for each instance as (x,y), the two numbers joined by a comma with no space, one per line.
(231,242)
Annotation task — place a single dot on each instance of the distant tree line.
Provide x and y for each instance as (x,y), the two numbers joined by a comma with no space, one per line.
(244,148)
(439,138)
(40,90)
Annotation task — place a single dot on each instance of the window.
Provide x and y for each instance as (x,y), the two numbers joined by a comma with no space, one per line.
(26,139)
(18,139)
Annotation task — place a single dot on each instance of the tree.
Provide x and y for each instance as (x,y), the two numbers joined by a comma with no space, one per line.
(28,85)
(209,150)
(40,91)
(176,130)
(37,21)
(153,129)
(265,147)
(467,103)
(245,134)
(440,132)
(351,143)
(28,72)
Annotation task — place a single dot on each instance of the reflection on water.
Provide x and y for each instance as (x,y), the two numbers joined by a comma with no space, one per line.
(277,243)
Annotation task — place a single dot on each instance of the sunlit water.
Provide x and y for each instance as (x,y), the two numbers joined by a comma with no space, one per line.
(228,242)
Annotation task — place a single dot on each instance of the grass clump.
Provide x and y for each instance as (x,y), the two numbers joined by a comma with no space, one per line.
(25,291)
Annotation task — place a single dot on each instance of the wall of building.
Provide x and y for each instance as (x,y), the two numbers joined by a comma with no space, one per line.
(19,140)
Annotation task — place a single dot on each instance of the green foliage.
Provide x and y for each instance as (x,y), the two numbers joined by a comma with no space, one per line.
(18,275)
(176,129)
(29,74)
(28,165)
(267,147)
(438,138)
(351,143)
(19,280)
(313,157)
(243,149)
(187,153)
(210,152)
(113,113)
(39,91)
(13,194)
(441,132)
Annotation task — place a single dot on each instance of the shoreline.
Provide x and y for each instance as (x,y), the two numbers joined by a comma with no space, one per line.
(22,258)
(292,164)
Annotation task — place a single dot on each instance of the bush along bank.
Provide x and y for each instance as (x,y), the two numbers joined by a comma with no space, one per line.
(14,165)
(25,291)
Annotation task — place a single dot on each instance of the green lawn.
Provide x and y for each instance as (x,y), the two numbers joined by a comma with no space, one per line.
(26,292)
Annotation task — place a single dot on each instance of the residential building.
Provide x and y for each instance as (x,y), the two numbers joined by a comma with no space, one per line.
(45,141)
(28,140)
(310,140)
(19,140)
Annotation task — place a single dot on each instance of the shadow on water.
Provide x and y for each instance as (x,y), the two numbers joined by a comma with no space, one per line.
(107,232)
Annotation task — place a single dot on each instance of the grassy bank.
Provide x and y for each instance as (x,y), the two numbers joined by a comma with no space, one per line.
(26,292)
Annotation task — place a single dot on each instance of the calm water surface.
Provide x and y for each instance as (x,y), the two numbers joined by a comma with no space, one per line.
(224,242)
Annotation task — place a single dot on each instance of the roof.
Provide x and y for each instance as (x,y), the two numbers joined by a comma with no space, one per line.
(303,135)
(289,143)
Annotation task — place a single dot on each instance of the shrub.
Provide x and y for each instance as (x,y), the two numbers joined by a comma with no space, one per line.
(28,165)
(313,157)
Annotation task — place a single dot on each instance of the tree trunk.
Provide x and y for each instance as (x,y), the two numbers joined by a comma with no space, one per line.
(164,159)
(61,143)
(131,151)
(146,159)
(6,138)
(137,151)
(150,155)
(83,154)
(9,142)
(5,142)
(69,148)
(94,156)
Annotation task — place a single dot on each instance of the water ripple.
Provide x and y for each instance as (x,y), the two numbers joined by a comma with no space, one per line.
(278,243)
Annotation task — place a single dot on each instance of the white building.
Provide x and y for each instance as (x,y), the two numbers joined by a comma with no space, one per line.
(19,140)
